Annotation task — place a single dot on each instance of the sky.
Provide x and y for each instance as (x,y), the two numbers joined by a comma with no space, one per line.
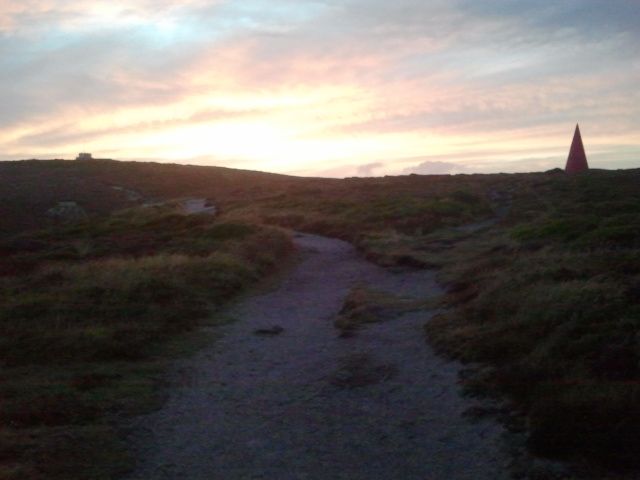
(323,87)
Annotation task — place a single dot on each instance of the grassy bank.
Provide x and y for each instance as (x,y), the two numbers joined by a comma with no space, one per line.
(88,313)
(549,302)
(374,213)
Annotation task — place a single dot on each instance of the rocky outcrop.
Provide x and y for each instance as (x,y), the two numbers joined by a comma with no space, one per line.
(67,212)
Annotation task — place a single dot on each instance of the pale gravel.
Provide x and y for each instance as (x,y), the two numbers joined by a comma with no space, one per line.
(257,407)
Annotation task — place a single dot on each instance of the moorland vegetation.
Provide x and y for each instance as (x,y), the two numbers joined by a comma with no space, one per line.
(91,313)
(541,272)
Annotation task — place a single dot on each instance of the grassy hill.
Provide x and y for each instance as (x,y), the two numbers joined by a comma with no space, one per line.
(29,188)
(91,310)
(541,269)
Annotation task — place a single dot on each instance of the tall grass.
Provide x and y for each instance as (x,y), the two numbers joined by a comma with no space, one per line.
(84,322)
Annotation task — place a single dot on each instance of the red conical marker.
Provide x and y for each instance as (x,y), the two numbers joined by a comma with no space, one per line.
(577,161)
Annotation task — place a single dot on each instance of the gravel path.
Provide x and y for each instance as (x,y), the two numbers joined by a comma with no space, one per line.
(281,407)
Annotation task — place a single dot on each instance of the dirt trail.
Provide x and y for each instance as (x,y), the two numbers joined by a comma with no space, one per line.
(276,407)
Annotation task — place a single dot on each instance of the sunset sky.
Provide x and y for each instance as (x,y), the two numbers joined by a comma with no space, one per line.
(323,87)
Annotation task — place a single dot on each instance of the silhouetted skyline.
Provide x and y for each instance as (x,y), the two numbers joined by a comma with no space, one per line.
(339,88)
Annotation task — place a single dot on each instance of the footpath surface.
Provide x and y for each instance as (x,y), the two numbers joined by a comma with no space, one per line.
(307,404)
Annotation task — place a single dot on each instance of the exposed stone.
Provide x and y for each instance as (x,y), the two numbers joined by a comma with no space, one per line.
(67,212)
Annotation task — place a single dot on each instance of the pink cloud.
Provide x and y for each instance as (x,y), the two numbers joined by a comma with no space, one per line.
(413,76)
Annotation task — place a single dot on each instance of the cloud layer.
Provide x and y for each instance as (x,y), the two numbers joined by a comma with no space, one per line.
(349,87)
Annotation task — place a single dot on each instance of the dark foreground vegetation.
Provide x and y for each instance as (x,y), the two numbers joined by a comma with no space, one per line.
(549,300)
(542,274)
(89,311)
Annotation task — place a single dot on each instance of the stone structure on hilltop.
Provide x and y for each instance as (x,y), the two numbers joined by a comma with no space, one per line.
(577,160)
(84,156)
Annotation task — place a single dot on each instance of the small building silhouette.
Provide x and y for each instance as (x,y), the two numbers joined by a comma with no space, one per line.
(84,156)
(577,159)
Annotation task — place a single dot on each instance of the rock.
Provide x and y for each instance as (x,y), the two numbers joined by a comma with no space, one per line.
(67,212)
(193,206)
(274,330)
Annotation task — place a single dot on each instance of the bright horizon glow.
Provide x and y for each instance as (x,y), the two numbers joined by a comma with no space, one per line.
(328,88)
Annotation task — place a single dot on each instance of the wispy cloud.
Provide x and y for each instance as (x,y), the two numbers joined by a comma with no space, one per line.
(350,87)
